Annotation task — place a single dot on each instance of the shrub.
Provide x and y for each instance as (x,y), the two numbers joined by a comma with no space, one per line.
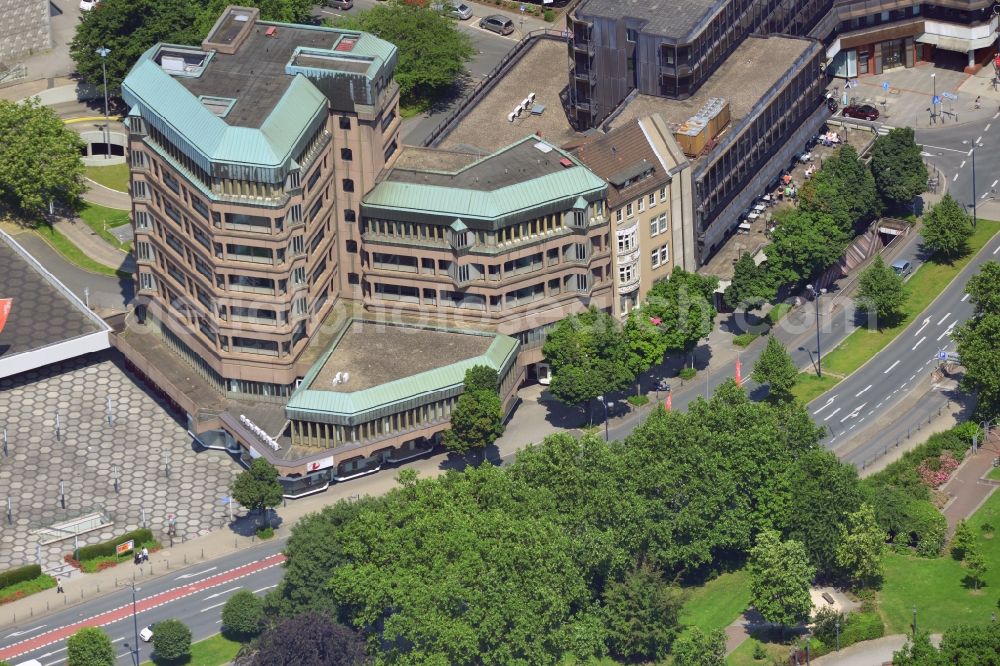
(744,339)
(171,640)
(19,575)
(549,16)
(854,627)
(758,651)
(265,532)
(637,400)
(777,312)
(687,373)
(106,548)
(242,614)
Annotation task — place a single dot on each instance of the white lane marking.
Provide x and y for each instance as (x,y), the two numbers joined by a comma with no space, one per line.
(995,182)
(966,296)
(889,369)
(29,631)
(221,603)
(927,320)
(824,406)
(918,344)
(978,139)
(852,427)
(985,194)
(118,640)
(970,152)
(954,150)
(855,412)
(960,166)
(219,594)
(902,386)
(861,420)
(192,575)
(996,115)
(987,128)
(911,377)
(947,331)
(955,178)
(943,318)
(49,654)
(879,404)
(267,587)
(832,414)
(858,394)
(996,250)
(871,411)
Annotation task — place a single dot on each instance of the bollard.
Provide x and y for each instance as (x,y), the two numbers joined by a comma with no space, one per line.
(98,588)
(46,604)
(203,553)
(185,558)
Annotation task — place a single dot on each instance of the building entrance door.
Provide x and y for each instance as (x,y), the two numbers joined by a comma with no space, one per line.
(892,53)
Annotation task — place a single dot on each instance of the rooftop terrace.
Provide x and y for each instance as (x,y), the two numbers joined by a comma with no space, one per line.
(676,19)
(742,80)
(374,354)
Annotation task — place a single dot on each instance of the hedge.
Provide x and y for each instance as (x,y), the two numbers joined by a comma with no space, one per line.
(854,628)
(19,575)
(106,548)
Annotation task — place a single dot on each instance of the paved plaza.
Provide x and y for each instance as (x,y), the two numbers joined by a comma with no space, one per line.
(142,442)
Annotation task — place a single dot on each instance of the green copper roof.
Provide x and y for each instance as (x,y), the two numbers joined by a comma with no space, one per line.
(405,393)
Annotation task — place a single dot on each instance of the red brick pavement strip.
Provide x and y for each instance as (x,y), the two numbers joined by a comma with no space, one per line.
(967,488)
(124,611)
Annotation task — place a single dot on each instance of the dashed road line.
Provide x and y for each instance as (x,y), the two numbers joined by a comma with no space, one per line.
(943,318)
(918,344)
(858,394)
(889,369)
(966,296)
(832,414)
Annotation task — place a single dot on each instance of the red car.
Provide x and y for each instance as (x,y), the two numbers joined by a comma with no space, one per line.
(862,111)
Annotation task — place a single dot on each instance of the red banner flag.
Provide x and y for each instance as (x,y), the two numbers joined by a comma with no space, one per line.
(4,311)
(739,375)
(669,403)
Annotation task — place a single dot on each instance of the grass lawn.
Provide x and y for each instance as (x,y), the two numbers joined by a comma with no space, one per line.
(927,282)
(935,586)
(114,177)
(808,387)
(718,602)
(415,109)
(26,587)
(213,651)
(72,253)
(994,474)
(743,655)
(777,312)
(102,218)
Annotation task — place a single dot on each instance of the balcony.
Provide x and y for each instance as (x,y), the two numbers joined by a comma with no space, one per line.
(585,74)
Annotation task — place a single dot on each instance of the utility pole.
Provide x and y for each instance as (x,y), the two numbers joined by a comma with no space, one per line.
(103,52)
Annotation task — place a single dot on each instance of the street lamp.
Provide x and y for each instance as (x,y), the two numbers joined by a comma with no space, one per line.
(972,154)
(605,403)
(933,103)
(914,621)
(819,354)
(103,52)
(135,625)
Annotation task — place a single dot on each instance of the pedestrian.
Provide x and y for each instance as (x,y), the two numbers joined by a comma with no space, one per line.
(59,587)
(978,105)
(145,554)
(136,557)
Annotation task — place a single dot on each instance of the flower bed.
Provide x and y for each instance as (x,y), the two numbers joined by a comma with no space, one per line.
(935,472)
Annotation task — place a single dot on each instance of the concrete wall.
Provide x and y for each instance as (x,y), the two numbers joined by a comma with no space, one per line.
(24,29)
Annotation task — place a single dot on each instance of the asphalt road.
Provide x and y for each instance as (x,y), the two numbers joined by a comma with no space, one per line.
(194,595)
(949,148)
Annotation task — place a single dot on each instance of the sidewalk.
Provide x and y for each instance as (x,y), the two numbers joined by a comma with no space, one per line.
(94,246)
(967,488)
(105,196)
(869,653)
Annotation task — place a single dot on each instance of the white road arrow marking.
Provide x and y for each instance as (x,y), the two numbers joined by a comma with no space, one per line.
(858,394)
(943,319)
(947,331)
(832,414)
(927,320)
(219,594)
(918,343)
(889,369)
(854,413)
(29,631)
(192,575)
(824,406)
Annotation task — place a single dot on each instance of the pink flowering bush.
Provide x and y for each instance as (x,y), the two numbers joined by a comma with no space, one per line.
(934,472)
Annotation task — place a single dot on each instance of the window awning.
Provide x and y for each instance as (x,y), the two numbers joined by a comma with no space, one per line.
(955,43)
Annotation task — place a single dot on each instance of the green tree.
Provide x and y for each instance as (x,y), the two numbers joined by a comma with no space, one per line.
(947,229)
(646,346)
(432,51)
(861,547)
(171,640)
(309,639)
(90,646)
(481,378)
(802,245)
(918,651)
(684,305)
(962,541)
(882,293)
(39,159)
(127,28)
(696,648)
(476,421)
(976,564)
(589,357)
(642,612)
(257,488)
(751,287)
(844,189)
(978,340)
(243,613)
(776,368)
(780,577)
(899,170)
(984,289)
(972,644)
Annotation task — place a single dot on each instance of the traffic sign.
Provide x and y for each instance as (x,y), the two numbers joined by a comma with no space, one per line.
(885,86)
(523,8)
(225,499)
(947,95)
(935,100)
(942,356)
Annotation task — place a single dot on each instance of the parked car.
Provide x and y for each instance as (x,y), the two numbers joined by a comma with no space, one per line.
(863,111)
(902,267)
(458,10)
(146,633)
(340,4)
(498,24)
(87,5)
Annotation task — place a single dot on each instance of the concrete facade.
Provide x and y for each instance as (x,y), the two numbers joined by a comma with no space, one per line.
(24,30)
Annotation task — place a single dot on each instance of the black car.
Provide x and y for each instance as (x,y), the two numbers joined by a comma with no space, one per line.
(862,111)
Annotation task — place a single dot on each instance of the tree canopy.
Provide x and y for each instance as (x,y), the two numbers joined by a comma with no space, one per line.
(751,287)
(257,488)
(171,640)
(642,611)
(984,289)
(243,613)
(684,305)
(947,229)
(844,189)
(780,577)
(39,159)
(960,644)
(882,293)
(978,340)
(477,420)
(803,245)
(697,648)
(90,646)
(307,639)
(898,168)
(588,356)
(861,547)
(432,51)
(777,370)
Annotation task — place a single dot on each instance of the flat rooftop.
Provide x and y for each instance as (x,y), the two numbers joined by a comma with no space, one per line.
(523,161)
(670,18)
(542,70)
(742,80)
(41,315)
(374,354)
(255,75)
